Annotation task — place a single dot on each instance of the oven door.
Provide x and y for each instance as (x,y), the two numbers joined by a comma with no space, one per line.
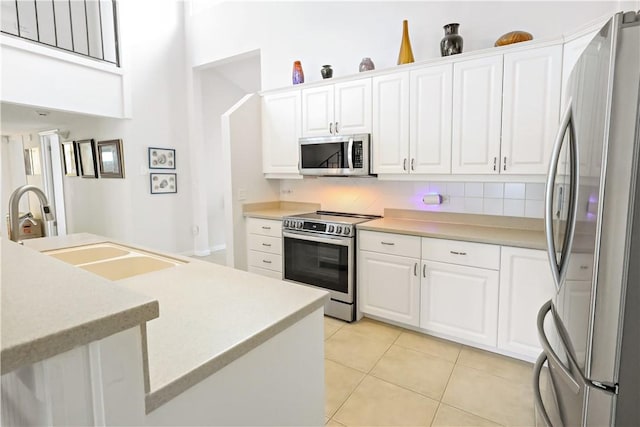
(320,261)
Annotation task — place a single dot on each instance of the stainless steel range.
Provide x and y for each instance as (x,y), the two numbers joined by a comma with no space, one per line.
(319,251)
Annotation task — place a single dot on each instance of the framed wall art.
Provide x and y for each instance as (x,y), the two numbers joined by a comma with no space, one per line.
(110,158)
(162,158)
(69,158)
(86,149)
(163,183)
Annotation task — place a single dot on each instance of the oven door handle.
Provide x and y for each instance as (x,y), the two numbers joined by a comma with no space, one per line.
(341,241)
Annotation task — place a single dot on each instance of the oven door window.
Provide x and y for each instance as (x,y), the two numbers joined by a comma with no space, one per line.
(316,263)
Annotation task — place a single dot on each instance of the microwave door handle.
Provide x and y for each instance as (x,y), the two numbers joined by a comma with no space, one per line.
(350,154)
(548,205)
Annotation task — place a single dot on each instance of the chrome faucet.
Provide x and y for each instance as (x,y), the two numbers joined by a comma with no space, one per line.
(14,200)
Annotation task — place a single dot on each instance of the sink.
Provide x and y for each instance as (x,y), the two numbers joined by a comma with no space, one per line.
(113,261)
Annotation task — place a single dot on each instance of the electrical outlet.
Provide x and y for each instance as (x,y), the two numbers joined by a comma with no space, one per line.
(242,194)
(286,191)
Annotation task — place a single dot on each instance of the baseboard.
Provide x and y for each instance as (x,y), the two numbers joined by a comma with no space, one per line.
(205,252)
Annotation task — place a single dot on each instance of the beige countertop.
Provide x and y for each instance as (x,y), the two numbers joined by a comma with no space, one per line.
(277,210)
(49,307)
(210,315)
(508,231)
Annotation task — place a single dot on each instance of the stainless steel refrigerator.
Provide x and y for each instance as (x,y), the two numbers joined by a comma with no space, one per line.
(590,330)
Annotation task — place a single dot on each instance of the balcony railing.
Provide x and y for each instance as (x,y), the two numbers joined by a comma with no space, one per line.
(84,27)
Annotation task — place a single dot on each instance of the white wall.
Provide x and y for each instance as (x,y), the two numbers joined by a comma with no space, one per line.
(241,133)
(342,33)
(153,46)
(221,87)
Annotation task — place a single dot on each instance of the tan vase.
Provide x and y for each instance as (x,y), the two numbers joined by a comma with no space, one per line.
(406,55)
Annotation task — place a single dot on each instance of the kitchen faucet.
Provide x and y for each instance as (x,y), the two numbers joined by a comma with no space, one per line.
(14,200)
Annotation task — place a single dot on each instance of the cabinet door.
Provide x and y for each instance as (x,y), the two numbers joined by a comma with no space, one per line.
(391,123)
(531,109)
(353,107)
(430,120)
(460,302)
(477,111)
(317,111)
(389,287)
(525,285)
(280,132)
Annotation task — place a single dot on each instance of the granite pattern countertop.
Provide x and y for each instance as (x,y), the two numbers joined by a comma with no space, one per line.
(49,307)
(210,315)
(508,231)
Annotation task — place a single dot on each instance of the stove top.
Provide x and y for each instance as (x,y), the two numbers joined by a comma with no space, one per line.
(326,222)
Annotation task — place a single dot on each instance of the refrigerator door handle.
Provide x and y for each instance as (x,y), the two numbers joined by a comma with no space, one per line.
(548,350)
(559,271)
(537,395)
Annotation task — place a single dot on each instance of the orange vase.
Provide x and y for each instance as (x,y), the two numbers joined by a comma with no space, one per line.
(406,55)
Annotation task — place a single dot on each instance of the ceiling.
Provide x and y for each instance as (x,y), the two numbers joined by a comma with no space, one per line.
(16,119)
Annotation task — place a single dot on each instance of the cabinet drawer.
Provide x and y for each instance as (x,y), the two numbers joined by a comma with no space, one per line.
(580,267)
(461,253)
(265,244)
(264,272)
(388,243)
(265,227)
(265,260)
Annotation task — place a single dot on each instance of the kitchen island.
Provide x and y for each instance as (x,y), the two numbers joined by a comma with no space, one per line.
(228,347)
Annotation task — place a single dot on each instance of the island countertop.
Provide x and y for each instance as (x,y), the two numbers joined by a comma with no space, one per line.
(210,315)
(49,307)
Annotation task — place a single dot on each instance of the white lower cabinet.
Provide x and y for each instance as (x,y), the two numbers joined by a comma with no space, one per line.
(264,243)
(459,301)
(525,285)
(390,286)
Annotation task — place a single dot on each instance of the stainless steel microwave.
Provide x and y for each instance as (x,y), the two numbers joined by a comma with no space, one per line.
(336,155)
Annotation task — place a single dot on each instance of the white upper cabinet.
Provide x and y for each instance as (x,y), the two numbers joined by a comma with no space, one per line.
(430,119)
(477,111)
(412,121)
(390,144)
(531,109)
(343,108)
(280,132)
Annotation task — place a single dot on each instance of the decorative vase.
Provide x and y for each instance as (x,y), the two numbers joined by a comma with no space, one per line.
(366,65)
(451,43)
(513,37)
(298,75)
(326,71)
(406,55)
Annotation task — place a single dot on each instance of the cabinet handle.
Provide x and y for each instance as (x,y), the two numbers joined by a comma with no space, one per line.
(504,167)
(267,245)
(584,267)
(388,243)
(336,128)
(331,128)
(424,270)
(458,253)
(265,227)
(266,261)
(415,269)
(412,164)
(495,163)
(404,164)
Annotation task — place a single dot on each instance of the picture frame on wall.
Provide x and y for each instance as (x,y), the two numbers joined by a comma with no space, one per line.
(162,158)
(163,183)
(86,149)
(110,158)
(69,158)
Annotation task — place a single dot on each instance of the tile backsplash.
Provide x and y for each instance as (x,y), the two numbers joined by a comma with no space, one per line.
(369,195)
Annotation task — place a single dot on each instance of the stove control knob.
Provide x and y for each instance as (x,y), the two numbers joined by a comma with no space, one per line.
(346,231)
(338,229)
(330,228)
(285,222)
(299,225)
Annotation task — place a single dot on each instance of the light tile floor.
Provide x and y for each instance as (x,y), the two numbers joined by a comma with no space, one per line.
(381,375)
